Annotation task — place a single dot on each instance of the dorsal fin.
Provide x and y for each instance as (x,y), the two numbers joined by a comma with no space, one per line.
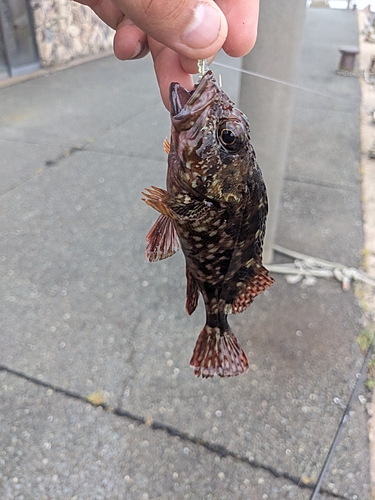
(166,146)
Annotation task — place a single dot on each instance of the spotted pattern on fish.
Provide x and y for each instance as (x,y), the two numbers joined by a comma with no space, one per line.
(215,209)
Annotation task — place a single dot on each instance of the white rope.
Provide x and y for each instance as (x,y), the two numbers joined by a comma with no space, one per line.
(308,268)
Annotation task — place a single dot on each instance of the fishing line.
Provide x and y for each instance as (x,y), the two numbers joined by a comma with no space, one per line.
(361,375)
(274,80)
(344,419)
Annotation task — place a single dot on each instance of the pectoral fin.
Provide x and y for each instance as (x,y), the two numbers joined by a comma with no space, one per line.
(160,200)
(191,209)
(184,208)
(162,240)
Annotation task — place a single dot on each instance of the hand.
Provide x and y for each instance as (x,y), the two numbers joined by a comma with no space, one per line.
(178,32)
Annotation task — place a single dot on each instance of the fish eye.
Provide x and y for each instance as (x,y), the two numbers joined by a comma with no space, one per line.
(230,136)
(227,137)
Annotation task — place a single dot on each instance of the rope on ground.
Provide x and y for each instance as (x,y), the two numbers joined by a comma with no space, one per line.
(309,268)
(355,74)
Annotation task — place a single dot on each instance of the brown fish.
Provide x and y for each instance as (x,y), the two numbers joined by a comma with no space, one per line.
(215,208)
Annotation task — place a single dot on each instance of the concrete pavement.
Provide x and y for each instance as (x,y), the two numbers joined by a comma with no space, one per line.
(85,316)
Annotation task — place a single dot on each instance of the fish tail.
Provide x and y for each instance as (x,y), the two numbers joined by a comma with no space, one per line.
(218,352)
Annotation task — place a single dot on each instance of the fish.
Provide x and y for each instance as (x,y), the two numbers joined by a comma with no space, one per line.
(214,209)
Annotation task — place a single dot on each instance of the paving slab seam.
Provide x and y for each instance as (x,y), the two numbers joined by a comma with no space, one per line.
(81,147)
(222,451)
(124,154)
(330,185)
(47,164)
(54,162)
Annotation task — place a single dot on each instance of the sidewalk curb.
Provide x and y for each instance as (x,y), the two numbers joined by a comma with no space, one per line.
(367,171)
(8,82)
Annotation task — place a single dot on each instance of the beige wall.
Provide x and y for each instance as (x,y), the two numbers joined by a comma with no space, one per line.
(66,30)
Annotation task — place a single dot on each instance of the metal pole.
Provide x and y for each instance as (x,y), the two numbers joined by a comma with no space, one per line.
(268,104)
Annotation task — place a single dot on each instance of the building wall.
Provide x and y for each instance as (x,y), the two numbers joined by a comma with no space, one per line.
(66,30)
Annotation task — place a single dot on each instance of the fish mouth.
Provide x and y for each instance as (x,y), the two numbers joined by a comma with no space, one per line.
(178,97)
(185,102)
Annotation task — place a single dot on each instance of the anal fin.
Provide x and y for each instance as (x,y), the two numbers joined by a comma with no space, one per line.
(192,292)
(162,240)
(249,290)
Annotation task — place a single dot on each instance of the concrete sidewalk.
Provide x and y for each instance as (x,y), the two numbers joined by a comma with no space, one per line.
(85,316)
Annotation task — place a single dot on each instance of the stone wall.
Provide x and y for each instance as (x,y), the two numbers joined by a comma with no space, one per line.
(66,30)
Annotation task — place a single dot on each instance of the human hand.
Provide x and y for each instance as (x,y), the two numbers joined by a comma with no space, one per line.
(178,32)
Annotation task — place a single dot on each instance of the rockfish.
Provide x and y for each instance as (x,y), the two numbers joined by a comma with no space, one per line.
(215,209)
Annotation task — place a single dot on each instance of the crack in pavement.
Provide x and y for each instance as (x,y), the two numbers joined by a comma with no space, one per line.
(64,154)
(47,164)
(220,450)
(54,162)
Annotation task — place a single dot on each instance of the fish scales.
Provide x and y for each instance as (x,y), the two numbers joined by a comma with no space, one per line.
(214,209)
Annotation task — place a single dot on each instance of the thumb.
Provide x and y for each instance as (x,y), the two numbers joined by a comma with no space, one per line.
(195,29)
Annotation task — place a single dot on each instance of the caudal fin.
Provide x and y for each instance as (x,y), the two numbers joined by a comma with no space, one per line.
(218,353)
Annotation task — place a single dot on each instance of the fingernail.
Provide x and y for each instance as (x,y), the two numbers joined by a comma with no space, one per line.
(205,28)
(137,50)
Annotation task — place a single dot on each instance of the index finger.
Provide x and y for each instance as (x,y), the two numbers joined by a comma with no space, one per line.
(168,68)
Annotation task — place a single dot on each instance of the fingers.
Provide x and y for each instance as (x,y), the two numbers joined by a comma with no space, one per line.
(178,32)
(196,29)
(242,17)
(168,69)
(129,42)
(106,10)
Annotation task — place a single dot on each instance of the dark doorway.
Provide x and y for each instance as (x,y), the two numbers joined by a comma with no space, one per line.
(18,50)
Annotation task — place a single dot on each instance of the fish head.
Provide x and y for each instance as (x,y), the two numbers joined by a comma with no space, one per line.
(210,141)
